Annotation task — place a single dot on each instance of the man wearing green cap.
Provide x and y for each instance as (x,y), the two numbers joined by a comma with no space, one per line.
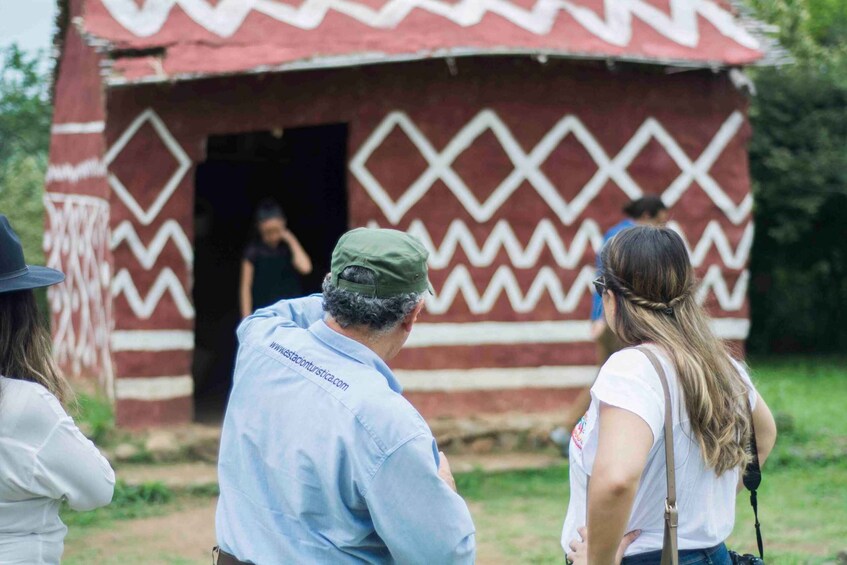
(322,459)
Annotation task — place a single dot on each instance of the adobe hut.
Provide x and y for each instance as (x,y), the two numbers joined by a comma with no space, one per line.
(506,135)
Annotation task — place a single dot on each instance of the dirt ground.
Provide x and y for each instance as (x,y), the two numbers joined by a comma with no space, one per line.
(187,535)
(182,537)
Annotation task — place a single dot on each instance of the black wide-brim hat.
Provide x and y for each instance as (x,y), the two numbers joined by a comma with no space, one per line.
(15,274)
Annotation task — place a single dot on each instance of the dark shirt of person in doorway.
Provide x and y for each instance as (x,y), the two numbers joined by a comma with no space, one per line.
(272,263)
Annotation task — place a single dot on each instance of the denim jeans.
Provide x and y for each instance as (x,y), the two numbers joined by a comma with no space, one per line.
(717,555)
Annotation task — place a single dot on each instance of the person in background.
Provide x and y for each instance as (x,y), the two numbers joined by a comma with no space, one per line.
(322,459)
(44,459)
(647,210)
(273,263)
(648,291)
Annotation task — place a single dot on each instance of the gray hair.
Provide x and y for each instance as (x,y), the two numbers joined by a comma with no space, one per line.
(353,309)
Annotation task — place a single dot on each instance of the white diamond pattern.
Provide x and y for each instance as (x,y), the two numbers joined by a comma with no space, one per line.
(527,166)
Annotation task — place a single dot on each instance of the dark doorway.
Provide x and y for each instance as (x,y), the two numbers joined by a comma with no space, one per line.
(304,170)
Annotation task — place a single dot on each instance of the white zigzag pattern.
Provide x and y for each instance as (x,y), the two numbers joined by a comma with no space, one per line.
(67,172)
(148,255)
(714,235)
(729,300)
(167,281)
(224,18)
(77,244)
(548,283)
(545,235)
(527,166)
(502,236)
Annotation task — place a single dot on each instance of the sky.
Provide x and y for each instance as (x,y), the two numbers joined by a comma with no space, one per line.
(29,23)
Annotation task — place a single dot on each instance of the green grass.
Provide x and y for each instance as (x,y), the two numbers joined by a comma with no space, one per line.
(128,502)
(519,515)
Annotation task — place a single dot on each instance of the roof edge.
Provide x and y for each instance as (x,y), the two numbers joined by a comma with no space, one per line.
(377,58)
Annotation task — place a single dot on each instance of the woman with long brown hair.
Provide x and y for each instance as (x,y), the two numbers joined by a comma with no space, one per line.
(648,290)
(44,459)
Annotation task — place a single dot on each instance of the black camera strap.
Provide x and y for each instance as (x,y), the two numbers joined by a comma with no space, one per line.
(752,479)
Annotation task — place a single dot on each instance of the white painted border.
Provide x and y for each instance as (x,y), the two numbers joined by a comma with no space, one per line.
(154,388)
(455,380)
(152,340)
(731,328)
(73,128)
(74,173)
(493,333)
(76,199)
(505,333)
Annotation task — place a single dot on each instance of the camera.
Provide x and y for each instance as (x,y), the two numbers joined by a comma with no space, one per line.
(745,559)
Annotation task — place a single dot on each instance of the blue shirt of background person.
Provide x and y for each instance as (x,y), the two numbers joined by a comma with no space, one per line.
(648,209)
(597,304)
(322,459)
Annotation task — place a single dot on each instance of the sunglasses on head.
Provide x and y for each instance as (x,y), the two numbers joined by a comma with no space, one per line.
(599,285)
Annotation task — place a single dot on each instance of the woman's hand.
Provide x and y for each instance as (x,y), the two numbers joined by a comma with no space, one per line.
(578,555)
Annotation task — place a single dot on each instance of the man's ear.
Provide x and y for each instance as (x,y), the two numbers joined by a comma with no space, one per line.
(412,317)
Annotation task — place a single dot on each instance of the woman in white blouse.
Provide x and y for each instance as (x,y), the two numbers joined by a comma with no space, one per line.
(648,290)
(44,459)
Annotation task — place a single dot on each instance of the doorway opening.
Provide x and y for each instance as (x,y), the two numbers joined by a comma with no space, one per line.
(302,169)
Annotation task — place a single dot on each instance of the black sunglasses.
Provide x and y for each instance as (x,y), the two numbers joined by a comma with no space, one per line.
(599,285)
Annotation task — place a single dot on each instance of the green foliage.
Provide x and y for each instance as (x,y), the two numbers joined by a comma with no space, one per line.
(798,163)
(25,114)
(25,110)
(95,416)
(129,502)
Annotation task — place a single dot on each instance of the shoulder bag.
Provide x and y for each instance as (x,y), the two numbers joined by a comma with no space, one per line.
(752,479)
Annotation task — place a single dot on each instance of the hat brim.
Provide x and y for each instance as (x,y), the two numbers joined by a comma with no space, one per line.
(35,277)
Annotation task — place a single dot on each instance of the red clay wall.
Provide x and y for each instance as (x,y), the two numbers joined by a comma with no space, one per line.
(510,169)
(77,215)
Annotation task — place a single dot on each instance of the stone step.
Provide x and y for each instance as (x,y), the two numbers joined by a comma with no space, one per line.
(180,476)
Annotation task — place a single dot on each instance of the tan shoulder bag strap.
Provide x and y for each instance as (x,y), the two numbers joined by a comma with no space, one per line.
(670,552)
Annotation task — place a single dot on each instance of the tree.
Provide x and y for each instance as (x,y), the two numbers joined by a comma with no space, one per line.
(25,116)
(798,163)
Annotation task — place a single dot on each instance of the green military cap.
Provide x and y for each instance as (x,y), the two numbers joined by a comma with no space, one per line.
(397,260)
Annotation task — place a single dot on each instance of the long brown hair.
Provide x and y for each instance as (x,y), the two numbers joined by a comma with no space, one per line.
(651,278)
(25,346)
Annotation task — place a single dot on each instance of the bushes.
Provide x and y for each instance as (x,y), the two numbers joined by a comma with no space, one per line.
(798,163)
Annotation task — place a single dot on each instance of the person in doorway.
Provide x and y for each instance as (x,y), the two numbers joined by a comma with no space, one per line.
(322,460)
(273,263)
(648,292)
(45,459)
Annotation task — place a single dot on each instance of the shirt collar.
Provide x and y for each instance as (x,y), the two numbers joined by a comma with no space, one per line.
(354,350)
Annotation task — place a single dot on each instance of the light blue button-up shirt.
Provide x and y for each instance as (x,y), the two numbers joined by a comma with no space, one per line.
(322,460)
